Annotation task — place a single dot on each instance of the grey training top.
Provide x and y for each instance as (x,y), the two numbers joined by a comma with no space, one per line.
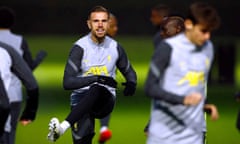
(88,59)
(177,69)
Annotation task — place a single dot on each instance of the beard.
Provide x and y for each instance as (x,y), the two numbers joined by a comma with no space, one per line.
(98,38)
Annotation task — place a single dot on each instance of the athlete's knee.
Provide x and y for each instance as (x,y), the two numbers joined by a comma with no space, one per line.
(103,109)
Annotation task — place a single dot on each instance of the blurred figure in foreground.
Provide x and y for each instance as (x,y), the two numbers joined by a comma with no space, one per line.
(169,27)
(172,26)
(177,80)
(16,41)
(12,62)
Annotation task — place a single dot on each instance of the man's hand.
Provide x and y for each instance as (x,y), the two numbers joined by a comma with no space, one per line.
(192,99)
(213,111)
(130,88)
(25,122)
(106,80)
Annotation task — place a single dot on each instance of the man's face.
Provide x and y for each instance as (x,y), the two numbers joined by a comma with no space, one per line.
(156,18)
(197,34)
(113,27)
(98,24)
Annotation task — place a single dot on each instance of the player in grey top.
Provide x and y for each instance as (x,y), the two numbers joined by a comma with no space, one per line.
(16,41)
(177,80)
(13,62)
(90,72)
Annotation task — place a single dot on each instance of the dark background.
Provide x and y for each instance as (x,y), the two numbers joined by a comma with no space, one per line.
(69,16)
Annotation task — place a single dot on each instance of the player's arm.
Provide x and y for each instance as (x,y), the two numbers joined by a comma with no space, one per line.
(160,61)
(72,69)
(125,67)
(27,56)
(72,81)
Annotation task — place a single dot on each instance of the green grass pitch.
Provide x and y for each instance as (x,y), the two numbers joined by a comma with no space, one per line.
(131,113)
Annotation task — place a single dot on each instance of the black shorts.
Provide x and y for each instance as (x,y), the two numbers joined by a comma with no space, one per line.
(83,130)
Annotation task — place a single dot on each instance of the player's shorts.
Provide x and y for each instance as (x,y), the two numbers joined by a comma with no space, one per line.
(83,130)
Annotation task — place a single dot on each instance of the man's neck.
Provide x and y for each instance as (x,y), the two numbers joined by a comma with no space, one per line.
(97,40)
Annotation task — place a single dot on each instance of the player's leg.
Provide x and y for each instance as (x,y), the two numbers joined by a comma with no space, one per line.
(83,130)
(105,104)
(4,112)
(11,124)
(97,100)
(15,113)
(105,132)
(89,102)
(81,105)
(104,122)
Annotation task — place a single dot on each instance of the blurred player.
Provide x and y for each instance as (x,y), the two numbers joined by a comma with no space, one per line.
(158,13)
(7,19)
(113,26)
(105,132)
(90,74)
(177,80)
(11,61)
(170,26)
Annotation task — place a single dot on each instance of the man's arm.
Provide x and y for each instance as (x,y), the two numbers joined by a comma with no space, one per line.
(72,81)
(27,56)
(127,71)
(160,61)
(72,69)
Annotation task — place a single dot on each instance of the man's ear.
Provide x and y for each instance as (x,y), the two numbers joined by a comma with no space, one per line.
(178,29)
(188,24)
(88,24)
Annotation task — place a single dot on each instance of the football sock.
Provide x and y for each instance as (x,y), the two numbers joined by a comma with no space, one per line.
(64,126)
